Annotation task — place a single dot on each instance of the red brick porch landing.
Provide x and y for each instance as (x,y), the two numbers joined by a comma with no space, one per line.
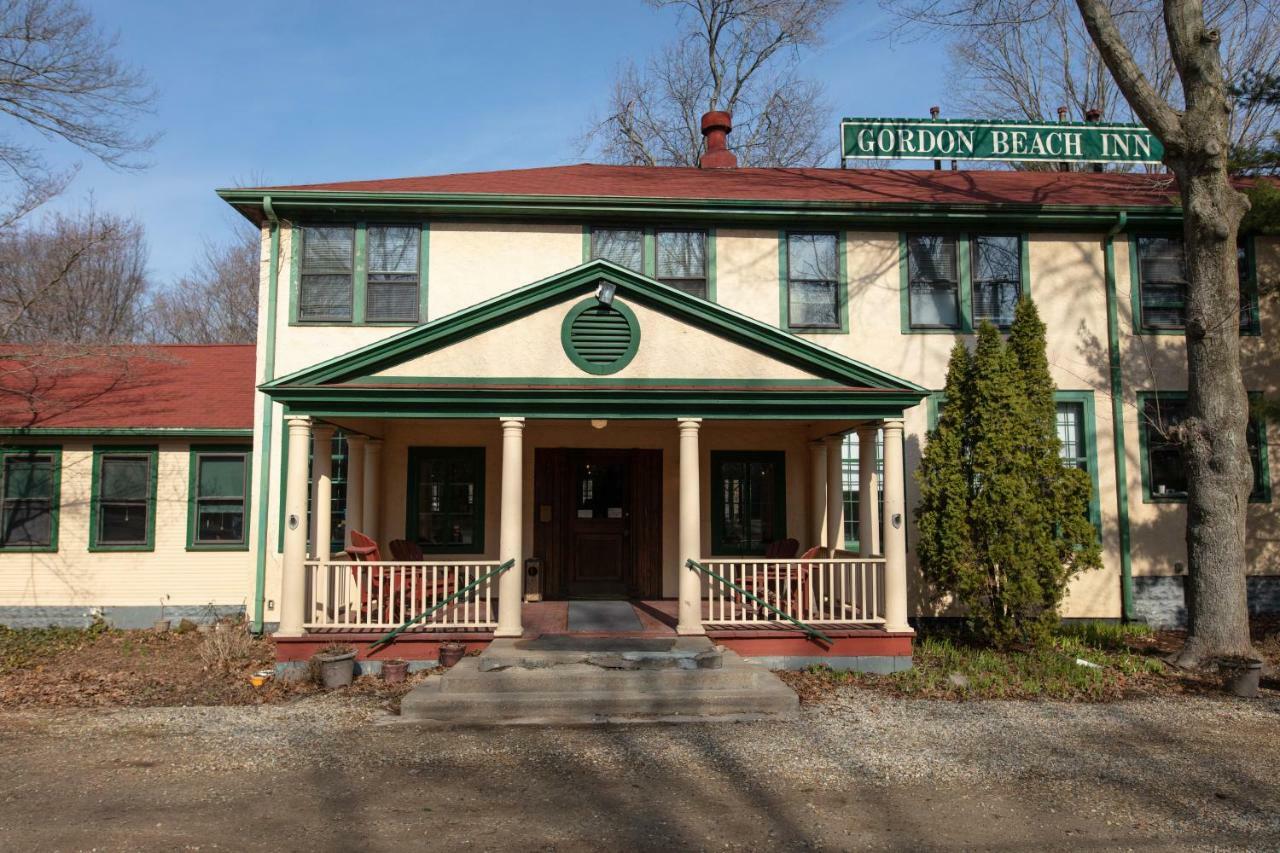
(777,644)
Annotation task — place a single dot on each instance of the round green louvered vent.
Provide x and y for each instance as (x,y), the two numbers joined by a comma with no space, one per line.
(598,338)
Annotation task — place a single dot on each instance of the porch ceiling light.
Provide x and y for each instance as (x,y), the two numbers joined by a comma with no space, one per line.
(605,291)
(599,423)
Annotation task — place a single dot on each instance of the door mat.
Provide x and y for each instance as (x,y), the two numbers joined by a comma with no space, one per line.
(603,617)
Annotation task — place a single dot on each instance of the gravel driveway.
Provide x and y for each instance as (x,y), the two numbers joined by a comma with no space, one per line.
(859,771)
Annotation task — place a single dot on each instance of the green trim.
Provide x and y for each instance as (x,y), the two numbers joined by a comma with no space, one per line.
(1263,477)
(264,453)
(571,346)
(152,454)
(650,262)
(477,457)
(722,211)
(964,299)
(513,305)
(141,432)
(712,293)
(55,512)
(424,273)
(784,285)
(193,468)
(295,270)
(579,382)
(360,276)
(586,243)
(1128,608)
(718,458)
(1024,262)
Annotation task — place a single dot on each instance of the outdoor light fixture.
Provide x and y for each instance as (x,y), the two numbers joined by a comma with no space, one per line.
(293,522)
(605,291)
(599,423)
(897,520)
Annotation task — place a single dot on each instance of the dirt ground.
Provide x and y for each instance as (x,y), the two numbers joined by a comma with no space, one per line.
(859,771)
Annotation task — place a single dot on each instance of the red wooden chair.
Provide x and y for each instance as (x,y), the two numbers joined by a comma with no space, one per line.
(365,550)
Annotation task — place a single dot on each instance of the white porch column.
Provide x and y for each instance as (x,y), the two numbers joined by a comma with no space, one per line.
(835,494)
(868,505)
(510,546)
(293,581)
(689,619)
(372,487)
(895,530)
(321,490)
(355,487)
(817,492)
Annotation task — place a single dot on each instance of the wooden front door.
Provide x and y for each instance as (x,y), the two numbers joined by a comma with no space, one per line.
(598,522)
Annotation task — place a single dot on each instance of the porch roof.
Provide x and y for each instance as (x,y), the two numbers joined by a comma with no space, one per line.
(796,378)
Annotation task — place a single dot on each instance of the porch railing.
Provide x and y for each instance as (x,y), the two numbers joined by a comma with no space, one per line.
(823,591)
(378,596)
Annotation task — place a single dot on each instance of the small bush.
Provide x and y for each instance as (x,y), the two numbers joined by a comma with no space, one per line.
(227,648)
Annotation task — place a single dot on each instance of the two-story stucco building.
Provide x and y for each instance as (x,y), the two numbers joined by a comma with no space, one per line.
(596,374)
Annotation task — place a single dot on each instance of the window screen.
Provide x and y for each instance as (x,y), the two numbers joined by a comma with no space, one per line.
(220,498)
(447,498)
(813,281)
(27,500)
(682,261)
(392,293)
(748,501)
(996,262)
(1162,282)
(622,246)
(933,281)
(326,276)
(1166,473)
(852,484)
(124,499)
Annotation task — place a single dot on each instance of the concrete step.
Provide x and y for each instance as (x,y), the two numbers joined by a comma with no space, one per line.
(580,693)
(606,652)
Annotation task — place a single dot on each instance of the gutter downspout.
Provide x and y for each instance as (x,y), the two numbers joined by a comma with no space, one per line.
(1127,610)
(264,469)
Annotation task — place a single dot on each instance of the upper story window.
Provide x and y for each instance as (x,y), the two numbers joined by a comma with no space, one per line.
(933,281)
(954,282)
(622,246)
(1162,283)
(996,261)
(1160,268)
(392,294)
(29,499)
(328,267)
(813,281)
(682,261)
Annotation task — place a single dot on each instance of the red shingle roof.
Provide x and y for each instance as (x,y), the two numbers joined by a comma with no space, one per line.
(847,186)
(136,387)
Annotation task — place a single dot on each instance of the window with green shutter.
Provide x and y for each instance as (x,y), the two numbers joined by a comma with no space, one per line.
(124,498)
(29,485)
(219,502)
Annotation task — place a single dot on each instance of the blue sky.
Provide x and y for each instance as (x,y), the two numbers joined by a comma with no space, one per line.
(295,92)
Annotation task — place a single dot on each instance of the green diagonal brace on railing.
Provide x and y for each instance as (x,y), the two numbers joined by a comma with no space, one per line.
(808,629)
(395,632)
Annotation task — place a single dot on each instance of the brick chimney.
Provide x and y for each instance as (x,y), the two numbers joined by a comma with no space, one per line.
(715,127)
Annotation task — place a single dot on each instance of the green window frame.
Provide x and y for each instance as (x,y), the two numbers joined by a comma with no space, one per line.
(1247,268)
(196,498)
(378,280)
(1158,409)
(969,278)
(650,259)
(1140,269)
(12,496)
(786,276)
(725,492)
(104,497)
(468,461)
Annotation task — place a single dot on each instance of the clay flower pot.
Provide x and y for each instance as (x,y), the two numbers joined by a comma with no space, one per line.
(451,653)
(394,671)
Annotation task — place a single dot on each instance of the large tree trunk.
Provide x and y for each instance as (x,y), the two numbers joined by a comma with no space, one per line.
(1219,475)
